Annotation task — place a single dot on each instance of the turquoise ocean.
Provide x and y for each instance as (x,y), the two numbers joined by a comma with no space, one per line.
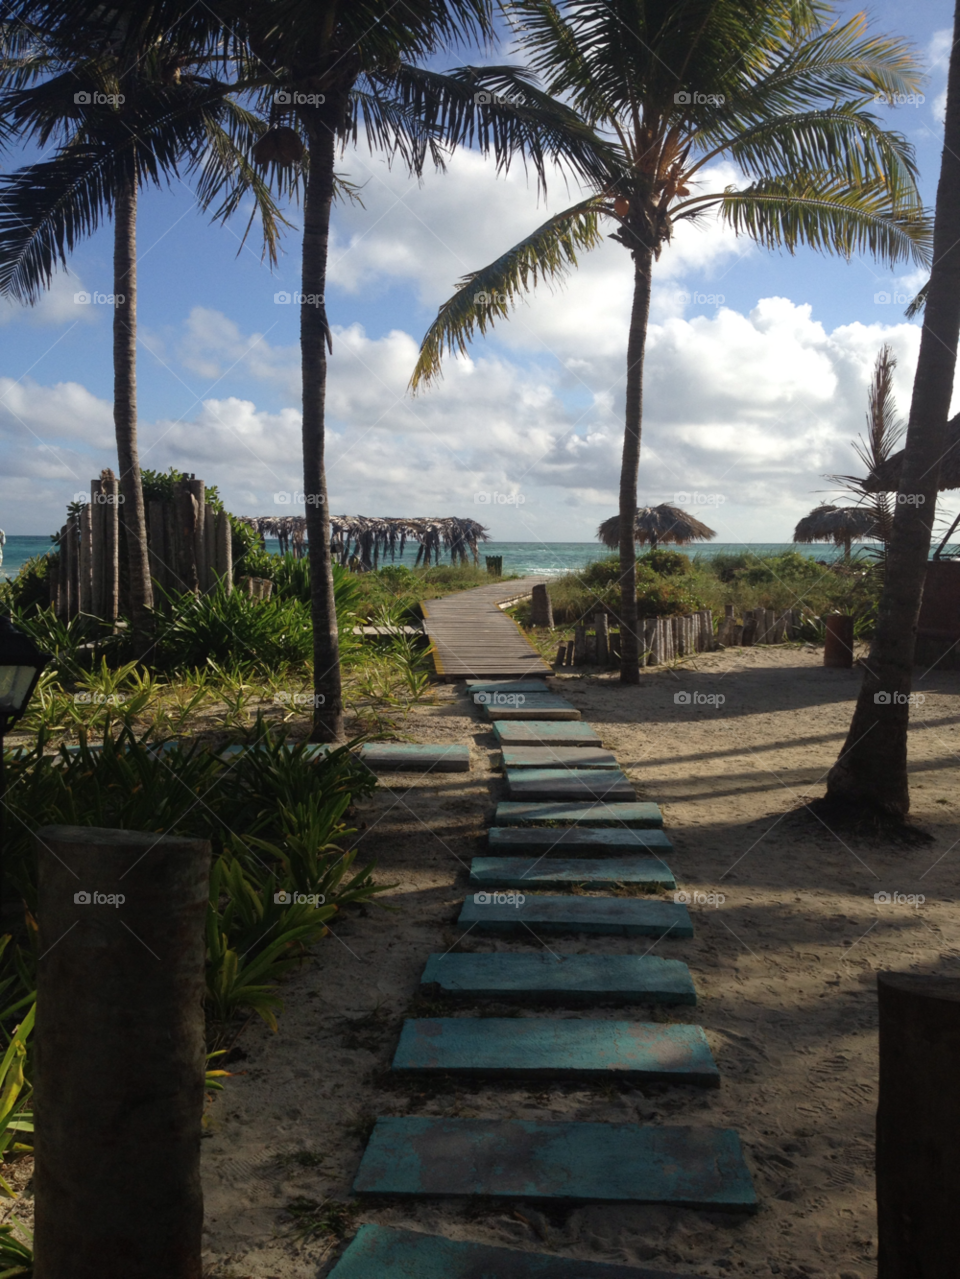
(546,558)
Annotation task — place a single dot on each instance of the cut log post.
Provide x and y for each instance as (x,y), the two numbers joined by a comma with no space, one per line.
(494,565)
(209,547)
(591,650)
(649,635)
(579,645)
(838,641)
(568,661)
(541,609)
(86,559)
(749,631)
(120,1054)
(769,624)
(187,516)
(53,584)
(708,639)
(918,1125)
(561,654)
(737,640)
(656,642)
(110,500)
(171,546)
(224,551)
(96,548)
(156,547)
(602,626)
(71,548)
(197,492)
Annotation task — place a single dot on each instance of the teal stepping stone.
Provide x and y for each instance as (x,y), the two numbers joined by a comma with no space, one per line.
(568,783)
(567,980)
(504,913)
(572,1048)
(591,872)
(543,732)
(558,757)
(536,706)
(475,686)
(556,842)
(418,1156)
(384,1252)
(412,757)
(521,813)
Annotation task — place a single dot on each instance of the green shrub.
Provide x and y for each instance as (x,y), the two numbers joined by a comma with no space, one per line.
(233,632)
(29,591)
(666,563)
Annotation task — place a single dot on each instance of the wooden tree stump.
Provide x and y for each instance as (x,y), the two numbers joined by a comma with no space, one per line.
(918,1125)
(119,1075)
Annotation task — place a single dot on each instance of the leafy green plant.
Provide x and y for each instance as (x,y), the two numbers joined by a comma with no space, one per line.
(14,1118)
(326,1217)
(16,1258)
(234,632)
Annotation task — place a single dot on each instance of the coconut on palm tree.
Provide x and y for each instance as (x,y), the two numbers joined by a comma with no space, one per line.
(125,111)
(656,526)
(659,85)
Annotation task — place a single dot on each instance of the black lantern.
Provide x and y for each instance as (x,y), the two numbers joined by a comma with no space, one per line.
(21,665)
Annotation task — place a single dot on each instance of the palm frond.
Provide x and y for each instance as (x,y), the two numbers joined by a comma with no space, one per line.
(824,213)
(918,303)
(483,296)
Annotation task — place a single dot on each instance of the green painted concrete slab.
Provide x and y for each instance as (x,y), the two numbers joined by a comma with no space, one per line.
(538,706)
(567,980)
(542,732)
(547,1048)
(568,783)
(475,686)
(558,757)
(522,813)
(556,841)
(491,912)
(383,1252)
(556,872)
(412,757)
(417,1156)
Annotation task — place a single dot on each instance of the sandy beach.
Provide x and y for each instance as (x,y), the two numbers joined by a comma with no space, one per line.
(784,966)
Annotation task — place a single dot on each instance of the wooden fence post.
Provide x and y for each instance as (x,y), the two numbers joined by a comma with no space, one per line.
(224,555)
(541,609)
(157,548)
(110,500)
(197,492)
(918,1125)
(210,547)
(120,1050)
(579,644)
(602,626)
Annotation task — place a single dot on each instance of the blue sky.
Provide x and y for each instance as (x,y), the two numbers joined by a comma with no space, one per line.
(753,393)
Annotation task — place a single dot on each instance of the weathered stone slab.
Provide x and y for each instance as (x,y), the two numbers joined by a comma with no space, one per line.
(475,686)
(557,841)
(568,783)
(411,757)
(542,732)
(492,912)
(538,706)
(638,814)
(567,980)
(571,1048)
(383,1252)
(419,1156)
(558,757)
(555,872)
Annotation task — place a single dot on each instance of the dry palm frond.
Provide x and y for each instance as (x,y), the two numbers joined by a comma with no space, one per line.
(837,524)
(368,539)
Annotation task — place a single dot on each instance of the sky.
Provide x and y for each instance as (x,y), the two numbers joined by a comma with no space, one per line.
(756,372)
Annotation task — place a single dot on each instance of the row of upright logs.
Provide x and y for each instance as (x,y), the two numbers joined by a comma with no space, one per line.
(662,639)
(759,626)
(188,543)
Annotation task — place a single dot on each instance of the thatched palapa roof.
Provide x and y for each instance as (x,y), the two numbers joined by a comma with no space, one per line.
(837,524)
(886,478)
(368,538)
(656,524)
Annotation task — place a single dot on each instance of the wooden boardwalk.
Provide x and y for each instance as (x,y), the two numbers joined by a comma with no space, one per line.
(470,638)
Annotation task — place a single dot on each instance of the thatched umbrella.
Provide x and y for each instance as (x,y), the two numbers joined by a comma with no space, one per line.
(656,524)
(837,524)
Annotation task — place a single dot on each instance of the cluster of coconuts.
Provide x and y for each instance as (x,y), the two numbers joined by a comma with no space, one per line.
(279,145)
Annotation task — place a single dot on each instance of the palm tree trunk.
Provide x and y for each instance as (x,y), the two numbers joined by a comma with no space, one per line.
(872,769)
(630,467)
(131,514)
(314,335)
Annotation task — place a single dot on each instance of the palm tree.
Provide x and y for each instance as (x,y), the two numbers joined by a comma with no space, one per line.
(328,71)
(125,112)
(664,85)
(871,771)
